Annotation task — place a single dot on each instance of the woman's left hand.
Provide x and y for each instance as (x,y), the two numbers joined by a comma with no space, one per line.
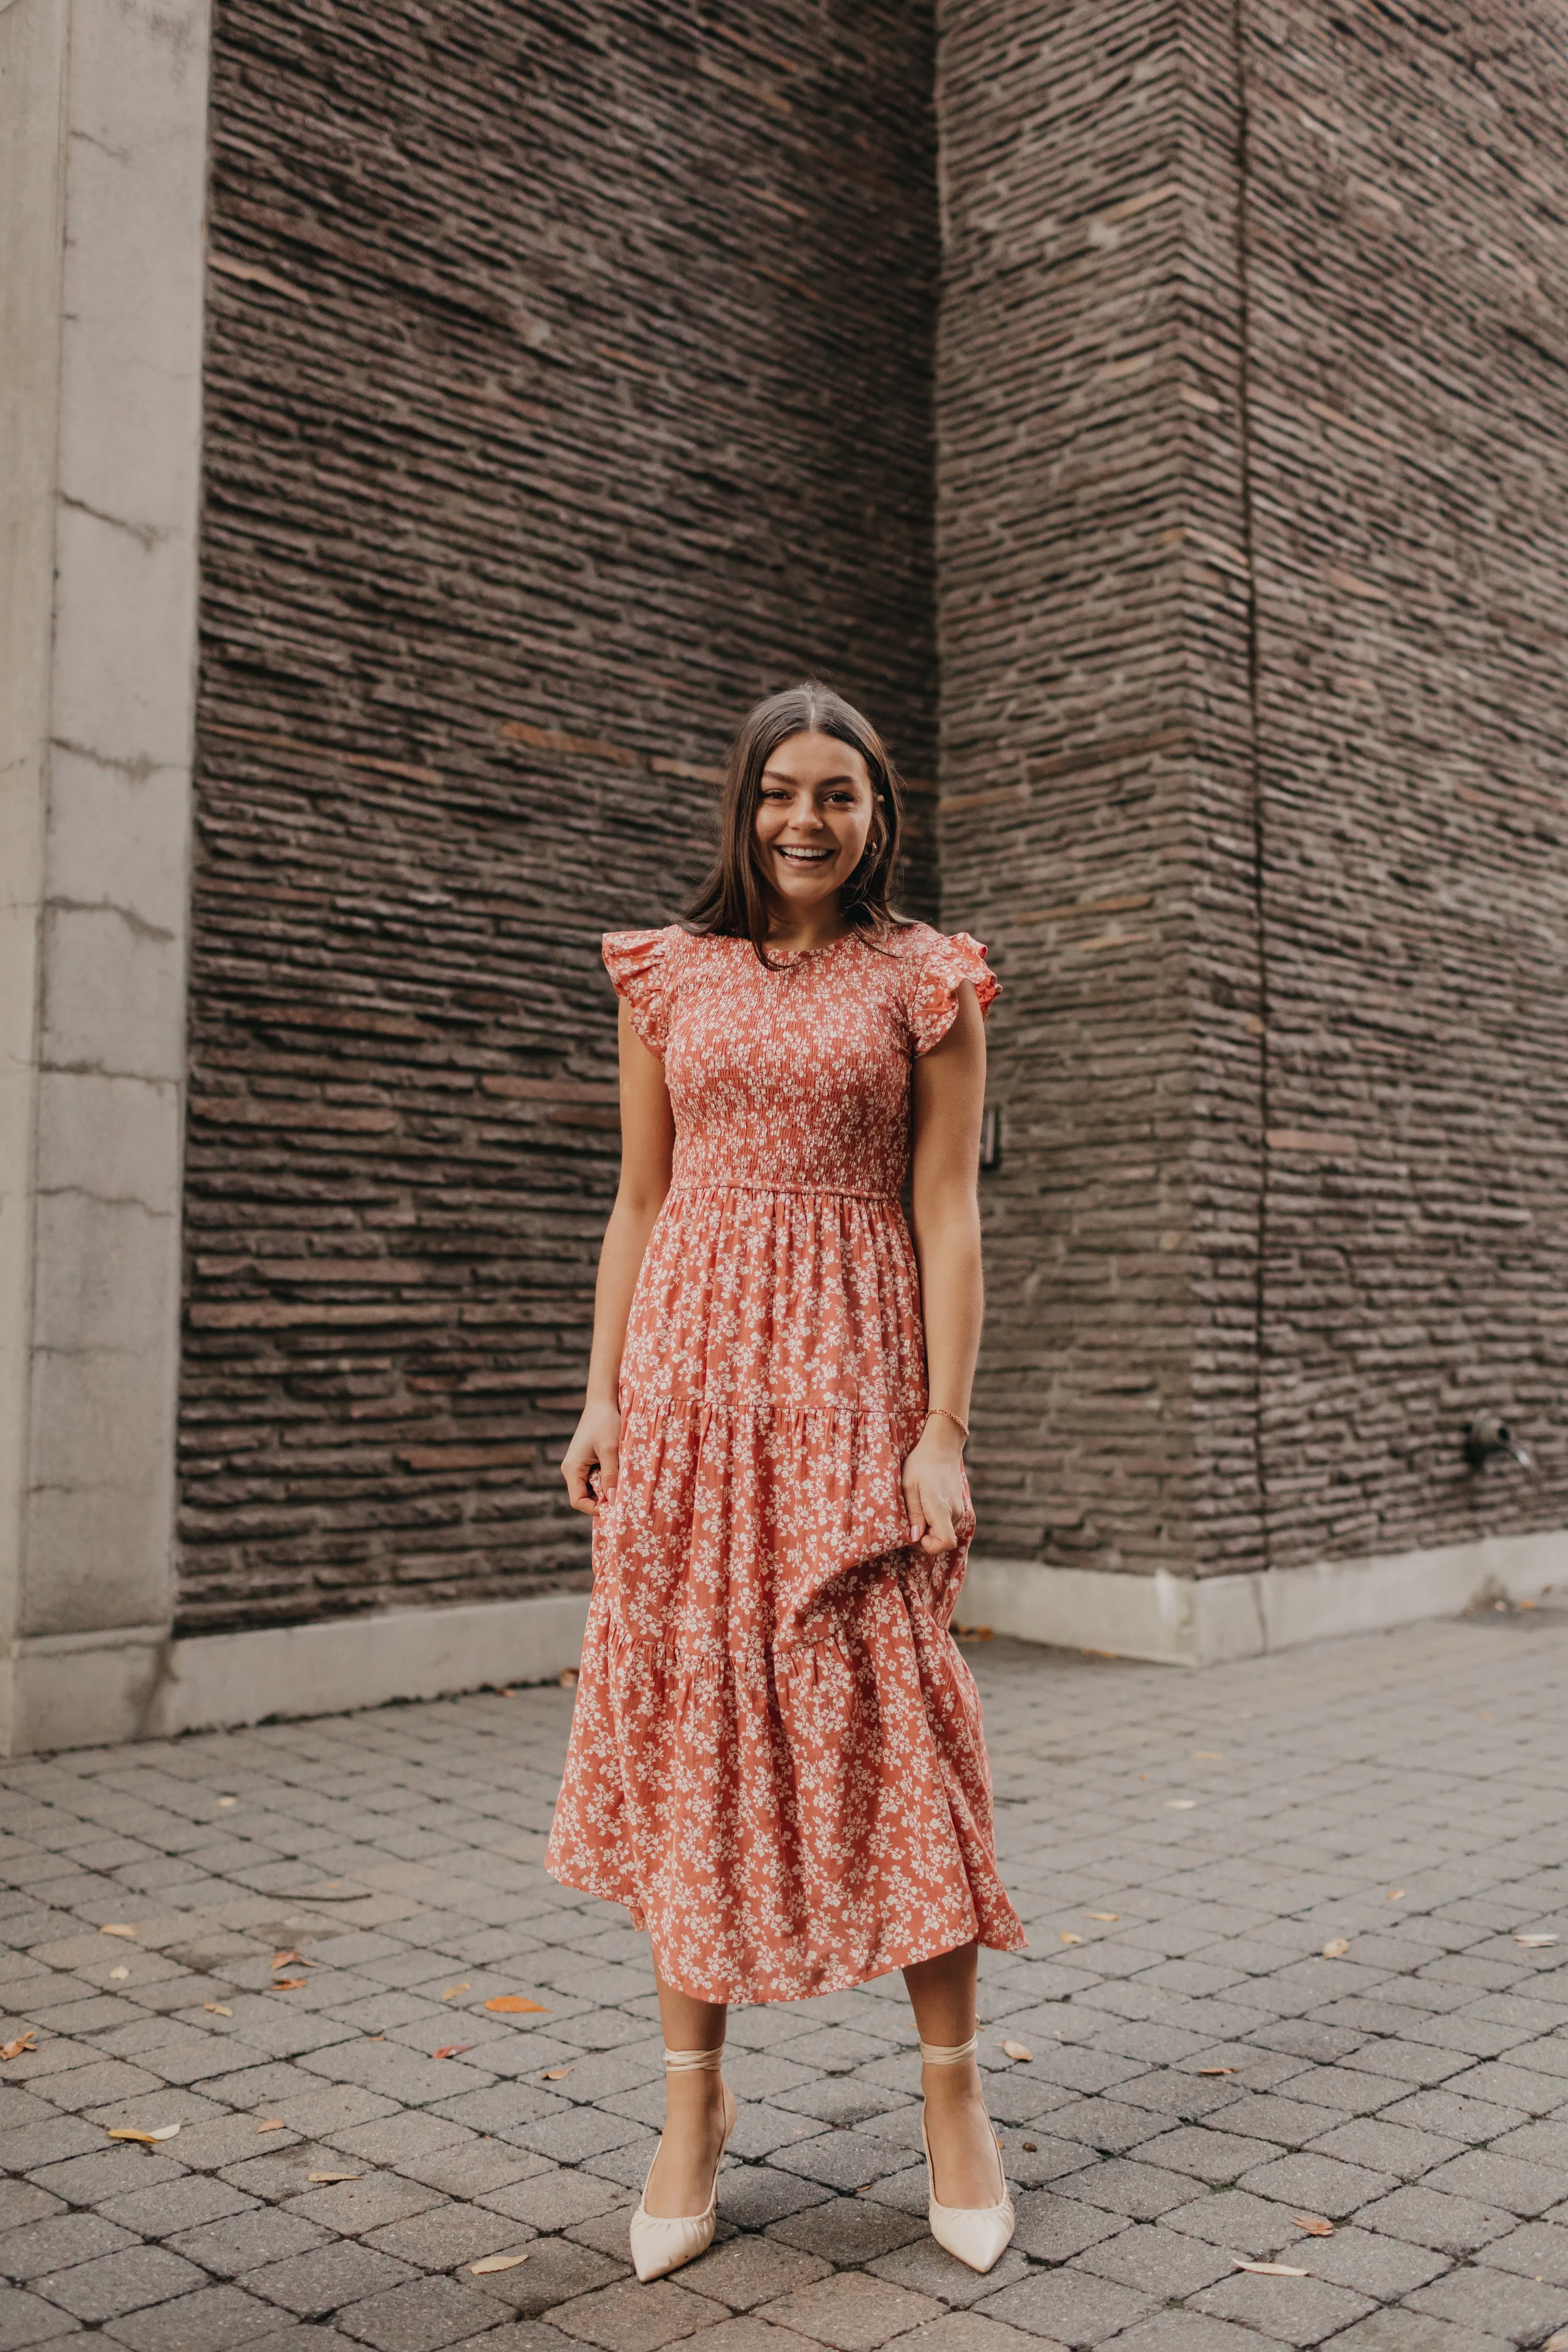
(934,1493)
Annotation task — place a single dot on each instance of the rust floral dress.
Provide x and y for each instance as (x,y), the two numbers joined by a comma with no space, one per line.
(776,1759)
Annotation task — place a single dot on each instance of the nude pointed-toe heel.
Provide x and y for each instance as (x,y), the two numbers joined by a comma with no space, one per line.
(660,2243)
(976,2235)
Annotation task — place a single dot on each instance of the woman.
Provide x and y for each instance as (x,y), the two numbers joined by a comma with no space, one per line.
(776,1760)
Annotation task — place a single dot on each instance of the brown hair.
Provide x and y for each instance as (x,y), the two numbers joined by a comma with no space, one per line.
(731,902)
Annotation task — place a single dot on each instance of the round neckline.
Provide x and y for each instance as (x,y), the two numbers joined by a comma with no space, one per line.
(798,955)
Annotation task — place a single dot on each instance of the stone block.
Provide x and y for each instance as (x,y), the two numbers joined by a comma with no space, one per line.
(853,2312)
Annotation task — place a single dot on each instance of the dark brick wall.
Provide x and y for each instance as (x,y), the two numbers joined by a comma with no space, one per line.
(1067,734)
(1407,268)
(568,383)
(1253,592)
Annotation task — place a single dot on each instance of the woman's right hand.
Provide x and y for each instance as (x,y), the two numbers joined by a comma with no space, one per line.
(593,1458)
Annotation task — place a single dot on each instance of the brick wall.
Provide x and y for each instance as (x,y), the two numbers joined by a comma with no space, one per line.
(567,385)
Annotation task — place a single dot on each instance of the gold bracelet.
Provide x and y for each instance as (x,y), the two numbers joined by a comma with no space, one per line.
(960,1425)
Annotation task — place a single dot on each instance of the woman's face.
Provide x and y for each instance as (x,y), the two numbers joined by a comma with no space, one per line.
(813,814)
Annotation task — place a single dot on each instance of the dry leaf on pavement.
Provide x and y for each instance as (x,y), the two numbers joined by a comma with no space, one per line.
(1271,2270)
(555,2074)
(1067,1937)
(1314,2224)
(1217,2070)
(489,2262)
(271,2123)
(513,2004)
(453,1990)
(1396,1893)
(118,1976)
(1018,2049)
(293,1960)
(1180,1804)
(286,1984)
(1111,1916)
(1336,1948)
(453,2048)
(1557,2343)
(1031,2147)
(217,2009)
(19,2048)
(1534,1943)
(321,2179)
(226,1801)
(164,2131)
(119,1931)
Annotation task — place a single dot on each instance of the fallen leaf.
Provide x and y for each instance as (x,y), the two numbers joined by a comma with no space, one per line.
(286,1984)
(225,1802)
(453,1990)
(216,2009)
(1270,2269)
(1067,1937)
(293,1960)
(568,1681)
(1557,2343)
(1018,2049)
(513,2004)
(375,2037)
(321,2179)
(1111,1917)
(164,2131)
(1314,2224)
(1534,1943)
(489,2262)
(131,1932)
(1396,1893)
(19,2048)
(555,2074)
(453,2048)
(1336,1948)
(1217,2070)
(118,1976)
(1031,2147)
(1180,1804)
(272,2123)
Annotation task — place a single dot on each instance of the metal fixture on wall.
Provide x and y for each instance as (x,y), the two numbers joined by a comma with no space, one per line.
(1489,1435)
(990,1140)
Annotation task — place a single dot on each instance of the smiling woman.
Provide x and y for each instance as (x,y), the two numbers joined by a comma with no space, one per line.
(776,1760)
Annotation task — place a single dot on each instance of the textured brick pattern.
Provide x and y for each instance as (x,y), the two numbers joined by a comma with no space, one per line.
(1259,300)
(545,428)
(1202,2074)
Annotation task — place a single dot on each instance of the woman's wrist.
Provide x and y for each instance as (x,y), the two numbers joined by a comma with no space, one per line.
(944,1423)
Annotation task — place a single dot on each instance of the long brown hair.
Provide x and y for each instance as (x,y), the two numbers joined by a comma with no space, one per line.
(731,902)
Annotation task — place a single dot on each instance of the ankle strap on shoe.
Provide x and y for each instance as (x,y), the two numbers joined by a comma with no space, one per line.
(694,2061)
(939,2053)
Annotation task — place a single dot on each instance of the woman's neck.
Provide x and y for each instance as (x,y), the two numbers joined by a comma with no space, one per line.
(796,932)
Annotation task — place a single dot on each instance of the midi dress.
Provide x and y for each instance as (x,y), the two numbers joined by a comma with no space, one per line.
(776,1760)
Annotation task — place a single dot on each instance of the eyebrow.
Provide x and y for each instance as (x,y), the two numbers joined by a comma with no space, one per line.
(847,776)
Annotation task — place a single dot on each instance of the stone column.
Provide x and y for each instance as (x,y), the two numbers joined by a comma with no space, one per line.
(102,174)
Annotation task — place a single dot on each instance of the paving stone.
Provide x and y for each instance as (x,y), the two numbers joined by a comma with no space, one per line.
(1383,2146)
(1383,2268)
(845,2230)
(178,2205)
(926,2268)
(1161,2261)
(118,2282)
(475,2168)
(211,2320)
(1452,2225)
(556,2200)
(1202,2153)
(1536,2250)
(964,2331)
(1070,2306)
(352,2207)
(60,2238)
(448,2235)
(1289,2310)
(326,2278)
(245,2240)
(1526,2189)
(421,2316)
(26,2319)
(854,2312)
(1141,2192)
(745,2272)
(557,2271)
(631,2317)
(1414,2331)
(1495,2302)
(1235,2218)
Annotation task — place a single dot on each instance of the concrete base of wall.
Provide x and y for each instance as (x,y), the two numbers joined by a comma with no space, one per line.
(132,1683)
(1190,1620)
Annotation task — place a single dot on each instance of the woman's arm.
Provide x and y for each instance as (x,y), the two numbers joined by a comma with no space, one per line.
(949,1097)
(647,1141)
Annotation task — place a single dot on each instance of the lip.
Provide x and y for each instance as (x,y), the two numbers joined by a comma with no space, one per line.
(799,855)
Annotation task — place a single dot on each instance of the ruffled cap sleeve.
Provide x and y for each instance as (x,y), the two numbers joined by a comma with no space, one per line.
(638,962)
(933,1005)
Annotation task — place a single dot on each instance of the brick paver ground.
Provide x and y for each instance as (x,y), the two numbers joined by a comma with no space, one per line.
(1189,1853)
